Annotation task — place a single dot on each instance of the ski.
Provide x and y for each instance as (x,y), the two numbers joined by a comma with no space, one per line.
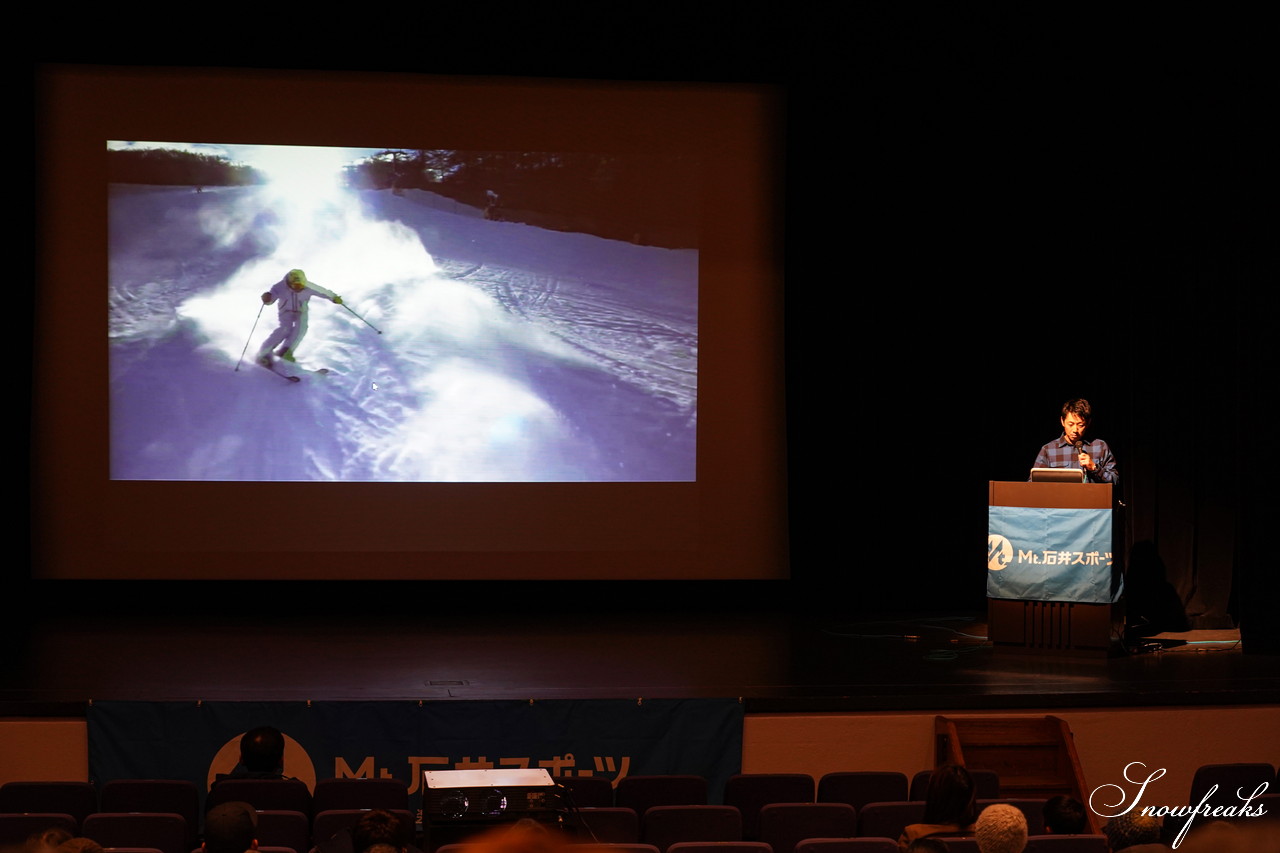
(305,368)
(287,376)
(314,371)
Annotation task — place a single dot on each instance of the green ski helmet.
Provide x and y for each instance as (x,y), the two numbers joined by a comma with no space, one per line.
(296,279)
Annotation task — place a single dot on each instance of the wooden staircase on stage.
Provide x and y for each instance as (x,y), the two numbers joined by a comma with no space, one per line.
(1035,757)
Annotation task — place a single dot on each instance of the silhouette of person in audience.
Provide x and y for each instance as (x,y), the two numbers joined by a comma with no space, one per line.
(950,806)
(1133,829)
(261,756)
(230,828)
(1001,828)
(1064,815)
(377,831)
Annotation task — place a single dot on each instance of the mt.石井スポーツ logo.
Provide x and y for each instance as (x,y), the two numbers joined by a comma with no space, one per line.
(999,552)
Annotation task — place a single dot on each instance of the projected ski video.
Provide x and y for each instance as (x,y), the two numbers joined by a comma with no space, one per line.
(289,313)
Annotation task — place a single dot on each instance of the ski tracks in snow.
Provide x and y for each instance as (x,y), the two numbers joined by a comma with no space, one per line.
(654,350)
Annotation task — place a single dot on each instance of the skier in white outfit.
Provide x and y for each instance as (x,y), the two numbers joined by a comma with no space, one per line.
(293,292)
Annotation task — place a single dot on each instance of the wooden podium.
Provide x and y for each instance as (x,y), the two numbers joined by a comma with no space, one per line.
(1052,627)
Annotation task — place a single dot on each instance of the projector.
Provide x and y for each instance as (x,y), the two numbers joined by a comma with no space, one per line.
(488,795)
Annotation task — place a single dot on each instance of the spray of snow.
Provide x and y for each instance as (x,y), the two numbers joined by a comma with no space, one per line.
(475,426)
(458,417)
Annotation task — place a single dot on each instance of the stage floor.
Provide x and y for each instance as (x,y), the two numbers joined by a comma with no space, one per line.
(777,662)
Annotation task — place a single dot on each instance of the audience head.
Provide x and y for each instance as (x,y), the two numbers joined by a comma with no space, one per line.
(1064,815)
(379,828)
(52,837)
(524,836)
(1131,829)
(80,845)
(1220,836)
(43,841)
(262,750)
(230,828)
(950,798)
(1001,828)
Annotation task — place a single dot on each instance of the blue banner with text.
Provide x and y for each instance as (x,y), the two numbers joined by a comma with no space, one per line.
(1042,554)
(400,739)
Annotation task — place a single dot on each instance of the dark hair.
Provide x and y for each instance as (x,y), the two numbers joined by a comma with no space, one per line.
(262,750)
(1131,829)
(1064,815)
(950,798)
(378,826)
(1078,406)
(53,836)
(80,845)
(230,828)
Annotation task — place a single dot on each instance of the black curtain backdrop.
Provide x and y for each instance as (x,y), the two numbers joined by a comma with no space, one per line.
(986,213)
(1030,213)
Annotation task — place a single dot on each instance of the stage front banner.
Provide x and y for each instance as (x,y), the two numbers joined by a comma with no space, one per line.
(1050,554)
(400,739)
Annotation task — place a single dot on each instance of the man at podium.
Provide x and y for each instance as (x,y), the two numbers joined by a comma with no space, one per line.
(1072,450)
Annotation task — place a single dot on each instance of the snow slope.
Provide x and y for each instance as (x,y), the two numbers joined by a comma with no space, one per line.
(507,352)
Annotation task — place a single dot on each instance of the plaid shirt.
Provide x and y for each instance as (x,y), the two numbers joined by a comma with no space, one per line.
(1060,454)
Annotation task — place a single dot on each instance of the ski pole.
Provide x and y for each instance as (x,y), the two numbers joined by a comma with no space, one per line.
(361,319)
(251,331)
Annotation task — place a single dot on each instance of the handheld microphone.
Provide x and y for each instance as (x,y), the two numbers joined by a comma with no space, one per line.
(1079,446)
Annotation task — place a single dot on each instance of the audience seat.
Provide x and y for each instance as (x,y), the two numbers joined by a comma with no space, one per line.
(163,831)
(609,825)
(587,792)
(1229,778)
(335,794)
(663,826)
(172,796)
(750,792)
(78,799)
(784,825)
(282,828)
(263,794)
(17,828)
(642,793)
(887,820)
(861,787)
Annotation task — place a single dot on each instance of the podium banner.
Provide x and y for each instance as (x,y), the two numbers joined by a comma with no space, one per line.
(1050,554)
